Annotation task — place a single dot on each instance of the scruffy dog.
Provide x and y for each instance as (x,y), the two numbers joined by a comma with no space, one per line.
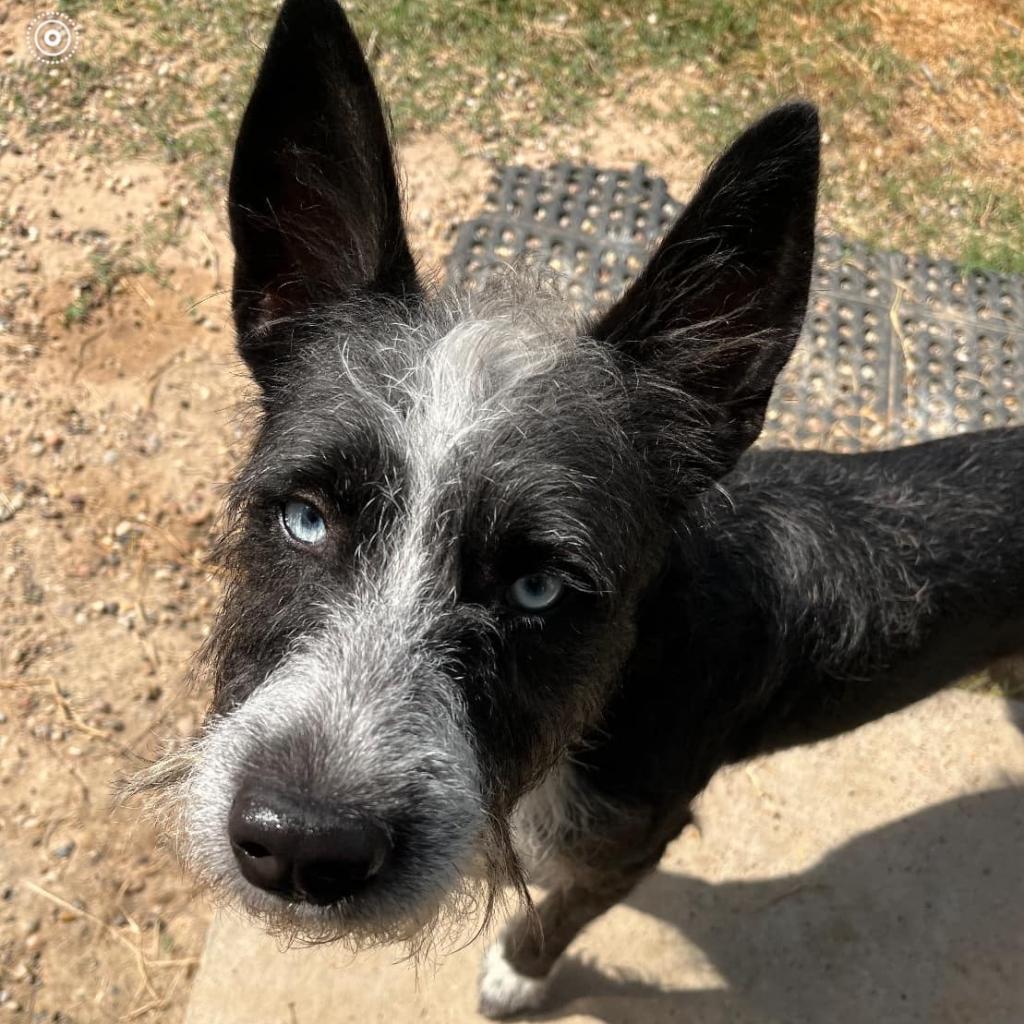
(507,589)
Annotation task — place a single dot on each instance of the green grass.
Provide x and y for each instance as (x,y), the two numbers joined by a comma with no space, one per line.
(1008,66)
(151,78)
(502,68)
(161,79)
(1004,678)
(881,183)
(1000,243)
(478,59)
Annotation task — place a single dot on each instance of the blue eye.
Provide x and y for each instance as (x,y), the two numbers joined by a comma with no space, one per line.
(303,522)
(536,593)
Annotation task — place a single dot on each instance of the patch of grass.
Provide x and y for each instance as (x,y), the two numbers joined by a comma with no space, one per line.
(507,68)
(153,78)
(157,77)
(1008,66)
(107,269)
(1003,679)
(72,8)
(895,175)
(168,80)
(998,240)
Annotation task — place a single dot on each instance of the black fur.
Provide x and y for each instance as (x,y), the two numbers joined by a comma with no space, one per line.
(313,199)
(718,307)
(814,593)
(718,603)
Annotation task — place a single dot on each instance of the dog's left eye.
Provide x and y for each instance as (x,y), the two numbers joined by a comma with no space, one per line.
(536,593)
(303,522)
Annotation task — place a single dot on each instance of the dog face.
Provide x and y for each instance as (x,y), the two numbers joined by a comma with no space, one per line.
(454,504)
(436,563)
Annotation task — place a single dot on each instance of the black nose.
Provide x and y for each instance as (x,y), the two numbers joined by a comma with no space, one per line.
(303,851)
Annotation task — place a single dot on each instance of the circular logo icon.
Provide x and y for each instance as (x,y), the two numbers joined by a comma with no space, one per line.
(52,37)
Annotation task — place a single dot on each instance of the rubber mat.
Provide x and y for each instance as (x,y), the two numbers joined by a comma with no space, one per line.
(895,348)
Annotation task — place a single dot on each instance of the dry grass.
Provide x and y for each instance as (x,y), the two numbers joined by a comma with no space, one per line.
(924,118)
(923,102)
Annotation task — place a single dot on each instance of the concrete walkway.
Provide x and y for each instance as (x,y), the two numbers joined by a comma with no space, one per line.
(874,879)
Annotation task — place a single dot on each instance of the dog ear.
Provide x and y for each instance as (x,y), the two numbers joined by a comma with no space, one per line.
(314,204)
(716,312)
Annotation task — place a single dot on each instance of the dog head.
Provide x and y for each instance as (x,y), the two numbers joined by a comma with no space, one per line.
(454,503)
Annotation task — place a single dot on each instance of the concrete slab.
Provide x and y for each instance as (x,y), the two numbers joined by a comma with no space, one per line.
(873,879)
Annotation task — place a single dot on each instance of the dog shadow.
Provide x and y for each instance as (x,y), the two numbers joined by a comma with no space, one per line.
(1015,713)
(920,920)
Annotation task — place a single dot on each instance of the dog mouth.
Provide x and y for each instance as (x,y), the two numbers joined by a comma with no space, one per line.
(327,811)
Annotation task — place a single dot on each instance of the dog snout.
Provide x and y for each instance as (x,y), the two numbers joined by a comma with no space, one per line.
(302,850)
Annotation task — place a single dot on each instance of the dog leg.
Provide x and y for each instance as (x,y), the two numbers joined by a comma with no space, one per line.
(517,968)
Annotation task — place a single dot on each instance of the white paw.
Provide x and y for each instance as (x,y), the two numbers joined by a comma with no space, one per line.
(504,991)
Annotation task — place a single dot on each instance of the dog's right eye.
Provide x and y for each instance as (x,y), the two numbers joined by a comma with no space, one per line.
(303,522)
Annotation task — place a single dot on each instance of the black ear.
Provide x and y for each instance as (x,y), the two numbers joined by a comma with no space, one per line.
(313,200)
(717,310)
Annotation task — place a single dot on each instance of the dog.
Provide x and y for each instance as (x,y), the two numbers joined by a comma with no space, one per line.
(507,589)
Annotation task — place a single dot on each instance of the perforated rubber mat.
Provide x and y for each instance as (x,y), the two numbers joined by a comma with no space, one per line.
(894,349)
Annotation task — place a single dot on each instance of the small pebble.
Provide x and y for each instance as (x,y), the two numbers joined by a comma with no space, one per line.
(126,530)
(64,850)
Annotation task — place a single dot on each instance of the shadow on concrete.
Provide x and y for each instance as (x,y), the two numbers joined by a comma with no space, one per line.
(1015,713)
(919,921)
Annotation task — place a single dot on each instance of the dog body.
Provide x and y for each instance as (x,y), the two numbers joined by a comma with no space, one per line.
(507,589)
(811,594)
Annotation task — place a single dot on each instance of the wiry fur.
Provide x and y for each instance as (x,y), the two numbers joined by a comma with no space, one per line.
(718,602)
(466,376)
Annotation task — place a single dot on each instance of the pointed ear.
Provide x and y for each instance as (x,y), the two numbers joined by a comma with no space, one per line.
(717,310)
(313,201)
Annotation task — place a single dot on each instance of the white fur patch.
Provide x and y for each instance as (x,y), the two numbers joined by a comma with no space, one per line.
(552,816)
(504,991)
(464,386)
